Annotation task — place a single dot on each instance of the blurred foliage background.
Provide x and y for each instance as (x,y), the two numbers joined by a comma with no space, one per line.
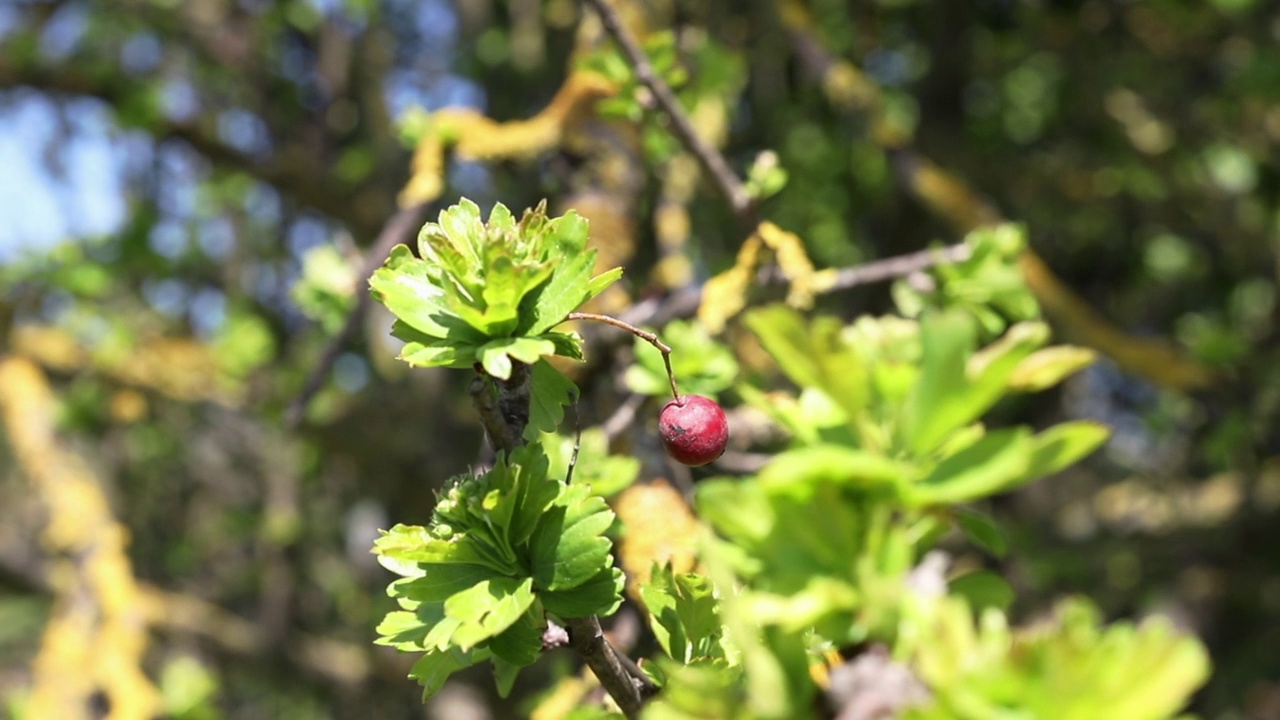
(189,191)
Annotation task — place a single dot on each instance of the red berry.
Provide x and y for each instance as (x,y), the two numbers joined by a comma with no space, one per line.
(694,429)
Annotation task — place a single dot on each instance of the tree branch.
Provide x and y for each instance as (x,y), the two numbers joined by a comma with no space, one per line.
(505,416)
(896,267)
(296,169)
(952,199)
(627,689)
(396,229)
(744,206)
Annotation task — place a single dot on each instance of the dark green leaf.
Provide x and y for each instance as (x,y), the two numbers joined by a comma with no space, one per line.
(569,547)
(984,589)
(434,668)
(982,530)
(504,675)
(439,582)
(521,644)
(551,392)
(599,595)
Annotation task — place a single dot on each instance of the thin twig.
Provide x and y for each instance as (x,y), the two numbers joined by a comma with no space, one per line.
(577,441)
(396,229)
(623,416)
(645,335)
(897,266)
(728,183)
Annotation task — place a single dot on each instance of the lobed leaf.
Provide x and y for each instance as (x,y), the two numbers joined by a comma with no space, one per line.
(599,595)
(684,615)
(487,609)
(568,548)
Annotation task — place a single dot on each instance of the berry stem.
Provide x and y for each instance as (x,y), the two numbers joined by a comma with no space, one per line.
(675,392)
(645,335)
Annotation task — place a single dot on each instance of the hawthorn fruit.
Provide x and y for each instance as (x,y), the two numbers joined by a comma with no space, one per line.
(694,429)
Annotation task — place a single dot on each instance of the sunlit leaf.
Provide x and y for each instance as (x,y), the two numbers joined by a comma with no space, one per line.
(990,465)
(487,609)
(1050,366)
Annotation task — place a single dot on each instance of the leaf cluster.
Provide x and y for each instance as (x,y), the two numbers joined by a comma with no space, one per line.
(988,284)
(1068,667)
(490,293)
(829,545)
(505,549)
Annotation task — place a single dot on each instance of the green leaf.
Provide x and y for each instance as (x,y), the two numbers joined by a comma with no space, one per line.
(684,614)
(523,490)
(1048,367)
(426,352)
(497,355)
(567,344)
(600,595)
(564,293)
(988,466)
(458,232)
(468,549)
(818,532)
(477,284)
(439,582)
(324,293)
(796,469)
(606,474)
(405,286)
(403,630)
(703,366)
(569,547)
(504,675)
(1065,666)
(521,644)
(984,589)
(938,404)
(982,530)
(740,511)
(820,601)
(944,401)
(994,364)
(487,609)
(550,393)
(782,332)
(434,668)
(398,549)
(494,359)
(601,282)
(1064,444)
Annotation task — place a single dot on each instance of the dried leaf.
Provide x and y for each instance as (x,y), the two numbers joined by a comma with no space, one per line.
(660,528)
